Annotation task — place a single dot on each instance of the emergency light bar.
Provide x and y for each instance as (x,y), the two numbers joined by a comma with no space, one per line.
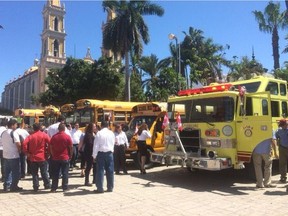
(206,89)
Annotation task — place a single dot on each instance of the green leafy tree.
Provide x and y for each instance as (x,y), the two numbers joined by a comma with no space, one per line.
(136,84)
(79,79)
(270,21)
(167,84)
(128,31)
(245,69)
(202,56)
(282,73)
(151,67)
(137,92)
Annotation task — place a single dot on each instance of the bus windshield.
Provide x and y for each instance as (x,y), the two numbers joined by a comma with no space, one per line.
(220,109)
(84,116)
(138,120)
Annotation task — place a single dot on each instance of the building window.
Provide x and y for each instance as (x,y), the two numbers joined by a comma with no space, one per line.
(33,87)
(56,24)
(56,48)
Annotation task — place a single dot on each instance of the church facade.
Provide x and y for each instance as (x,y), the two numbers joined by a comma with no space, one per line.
(17,92)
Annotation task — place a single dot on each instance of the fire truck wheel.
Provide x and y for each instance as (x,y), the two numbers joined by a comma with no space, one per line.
(250,170)
(192,169)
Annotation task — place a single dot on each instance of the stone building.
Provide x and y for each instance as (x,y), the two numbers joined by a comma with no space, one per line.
(17,92)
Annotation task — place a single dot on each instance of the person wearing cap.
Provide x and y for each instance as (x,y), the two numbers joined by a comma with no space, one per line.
(281,135)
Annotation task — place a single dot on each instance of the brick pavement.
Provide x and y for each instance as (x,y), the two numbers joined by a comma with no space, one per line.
(162,191)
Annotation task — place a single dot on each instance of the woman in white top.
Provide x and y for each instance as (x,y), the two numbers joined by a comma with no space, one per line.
(121,143)
(143,133)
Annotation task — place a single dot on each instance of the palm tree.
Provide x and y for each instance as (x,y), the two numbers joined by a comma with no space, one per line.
(202,55)
(151,66)
(127,31)
(245,69)
(269,22)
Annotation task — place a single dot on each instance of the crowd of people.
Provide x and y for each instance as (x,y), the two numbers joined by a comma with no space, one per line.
(54,152)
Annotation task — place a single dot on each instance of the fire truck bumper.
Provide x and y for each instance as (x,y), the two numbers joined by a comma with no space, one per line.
(192,162)
(208,163)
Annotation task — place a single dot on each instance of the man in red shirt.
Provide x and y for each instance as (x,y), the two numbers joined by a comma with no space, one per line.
(35,146)
(61,151)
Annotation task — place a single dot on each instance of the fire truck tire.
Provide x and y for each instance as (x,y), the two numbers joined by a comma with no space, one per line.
(192,170)
(250,171)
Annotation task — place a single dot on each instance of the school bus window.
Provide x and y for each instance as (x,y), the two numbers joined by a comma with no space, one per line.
(283,89)
(264,107)
(272,87)
(119,116)
(284,109)
(275,109)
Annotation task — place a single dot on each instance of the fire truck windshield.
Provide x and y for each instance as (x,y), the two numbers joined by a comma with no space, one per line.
(219,109)
(250,87)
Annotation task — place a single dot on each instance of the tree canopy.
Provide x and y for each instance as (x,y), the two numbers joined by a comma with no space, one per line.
(79,79)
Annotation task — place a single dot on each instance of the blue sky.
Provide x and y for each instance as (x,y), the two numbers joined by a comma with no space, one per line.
(226,22)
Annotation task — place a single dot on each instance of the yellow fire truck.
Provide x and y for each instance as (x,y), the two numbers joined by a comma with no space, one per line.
(221,124)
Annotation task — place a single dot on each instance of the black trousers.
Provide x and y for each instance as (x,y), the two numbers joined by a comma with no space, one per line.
(119,158)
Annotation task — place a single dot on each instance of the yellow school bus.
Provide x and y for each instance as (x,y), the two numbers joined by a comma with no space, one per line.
(29,116)
(51,113)
(221,124)
(92,110)
(151,113)
(67,110)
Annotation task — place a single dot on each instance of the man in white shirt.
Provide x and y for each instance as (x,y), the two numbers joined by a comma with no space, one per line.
(2,129)
(22,135)
(11,149)
(53,129)
(75,135)
(103,154)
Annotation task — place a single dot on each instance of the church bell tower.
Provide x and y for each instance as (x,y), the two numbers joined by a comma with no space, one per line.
(53,40)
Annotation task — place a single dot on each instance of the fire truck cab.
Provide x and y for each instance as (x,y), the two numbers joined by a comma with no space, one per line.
(221,124)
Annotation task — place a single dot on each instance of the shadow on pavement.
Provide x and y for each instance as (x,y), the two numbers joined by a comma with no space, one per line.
(225,182)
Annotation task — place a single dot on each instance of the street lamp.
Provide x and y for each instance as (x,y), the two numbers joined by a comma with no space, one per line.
(173,37)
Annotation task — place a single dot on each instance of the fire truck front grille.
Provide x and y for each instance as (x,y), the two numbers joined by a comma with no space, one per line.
(190,140)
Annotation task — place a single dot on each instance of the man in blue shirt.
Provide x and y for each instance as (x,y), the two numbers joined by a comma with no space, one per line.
(262,152)
(282,139)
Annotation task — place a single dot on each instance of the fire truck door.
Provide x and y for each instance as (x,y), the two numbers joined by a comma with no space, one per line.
(253,123)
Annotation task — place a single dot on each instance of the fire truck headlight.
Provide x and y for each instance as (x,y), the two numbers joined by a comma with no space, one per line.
(214,143)
(212,154)
(227,130)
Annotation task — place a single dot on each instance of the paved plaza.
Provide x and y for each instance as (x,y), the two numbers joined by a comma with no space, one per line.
(162,191)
